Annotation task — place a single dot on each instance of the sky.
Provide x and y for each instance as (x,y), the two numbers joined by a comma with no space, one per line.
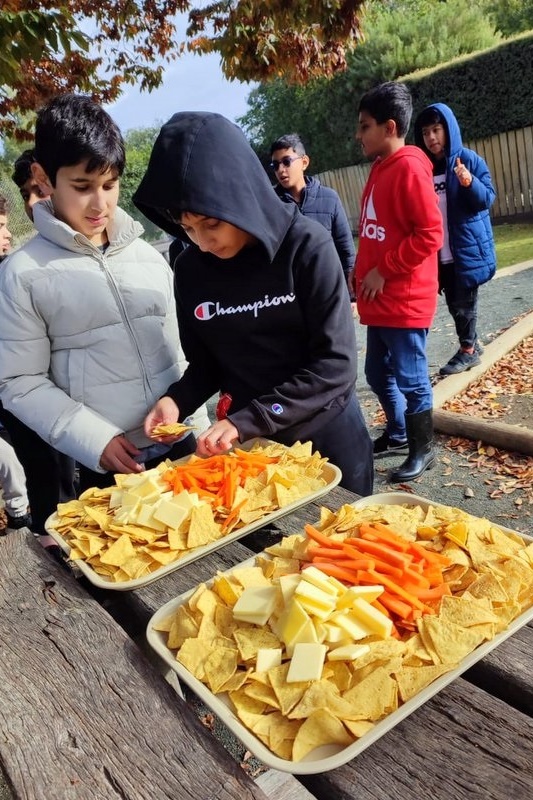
(192,83)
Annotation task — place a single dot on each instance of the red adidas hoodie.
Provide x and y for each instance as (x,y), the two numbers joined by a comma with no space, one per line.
(400,233)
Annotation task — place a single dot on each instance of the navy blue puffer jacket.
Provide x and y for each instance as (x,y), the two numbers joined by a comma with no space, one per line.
(469,225)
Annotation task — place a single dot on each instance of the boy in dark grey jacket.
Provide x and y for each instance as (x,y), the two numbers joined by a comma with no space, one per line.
(289,162)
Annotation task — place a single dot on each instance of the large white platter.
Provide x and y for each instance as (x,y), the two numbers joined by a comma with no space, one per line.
(330,473)
(328,757)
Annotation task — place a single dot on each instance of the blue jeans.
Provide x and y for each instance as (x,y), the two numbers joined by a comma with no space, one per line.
(396,369)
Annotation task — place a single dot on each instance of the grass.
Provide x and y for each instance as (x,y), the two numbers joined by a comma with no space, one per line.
(514,243)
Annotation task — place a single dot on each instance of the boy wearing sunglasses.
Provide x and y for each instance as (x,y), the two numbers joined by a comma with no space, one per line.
(289,163)
(263,310)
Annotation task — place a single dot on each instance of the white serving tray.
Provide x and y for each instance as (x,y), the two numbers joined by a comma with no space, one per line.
(326,757)
(330,473)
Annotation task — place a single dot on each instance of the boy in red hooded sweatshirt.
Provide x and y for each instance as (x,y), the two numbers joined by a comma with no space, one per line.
(395,277)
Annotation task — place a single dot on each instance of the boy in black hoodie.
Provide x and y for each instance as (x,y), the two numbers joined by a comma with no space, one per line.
(263,309)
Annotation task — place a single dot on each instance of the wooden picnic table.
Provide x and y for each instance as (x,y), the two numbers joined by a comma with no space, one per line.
(472,740)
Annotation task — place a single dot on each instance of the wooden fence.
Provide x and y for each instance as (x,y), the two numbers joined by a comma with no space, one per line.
(509,157)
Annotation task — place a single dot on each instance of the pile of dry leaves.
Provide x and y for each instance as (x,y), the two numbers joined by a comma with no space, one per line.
(505,390)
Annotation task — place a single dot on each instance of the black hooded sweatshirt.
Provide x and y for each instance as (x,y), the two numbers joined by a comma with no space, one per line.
(271,326)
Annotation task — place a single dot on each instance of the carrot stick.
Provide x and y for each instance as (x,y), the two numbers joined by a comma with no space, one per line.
(430,555)
(337,571)
(383,552)
(321,538)
(378,531)
(434,593)
(397,606)
(416,578)
(371,576)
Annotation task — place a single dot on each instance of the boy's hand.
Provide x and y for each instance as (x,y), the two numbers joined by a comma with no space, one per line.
(117,456)
(465,177)
(372,284)
(217,439)
(164,412)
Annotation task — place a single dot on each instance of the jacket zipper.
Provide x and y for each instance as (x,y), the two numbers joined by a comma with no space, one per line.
(114,288)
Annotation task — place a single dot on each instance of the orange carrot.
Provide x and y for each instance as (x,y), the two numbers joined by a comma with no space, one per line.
(373,577)
(321,538)
(377,531)
(337,571)
(397,606)
(383,552)
(430,555)
(434,593)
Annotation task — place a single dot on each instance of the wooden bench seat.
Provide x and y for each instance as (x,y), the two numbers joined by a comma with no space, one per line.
(83,714)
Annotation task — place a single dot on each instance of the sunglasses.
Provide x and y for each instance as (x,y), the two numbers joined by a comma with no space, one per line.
(286,161)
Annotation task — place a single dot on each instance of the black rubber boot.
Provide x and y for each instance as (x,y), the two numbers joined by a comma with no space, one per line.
(419,429)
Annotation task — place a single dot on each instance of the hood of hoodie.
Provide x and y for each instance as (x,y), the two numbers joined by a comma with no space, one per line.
(202,163)
(454,142)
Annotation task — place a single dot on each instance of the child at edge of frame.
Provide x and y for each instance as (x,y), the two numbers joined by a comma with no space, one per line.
(395,276)
(88,329)
(264,313)
(467,259)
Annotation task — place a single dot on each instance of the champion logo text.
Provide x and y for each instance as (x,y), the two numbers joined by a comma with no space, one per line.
(209,309)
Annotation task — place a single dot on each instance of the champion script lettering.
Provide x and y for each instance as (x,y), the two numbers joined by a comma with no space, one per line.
(209,309)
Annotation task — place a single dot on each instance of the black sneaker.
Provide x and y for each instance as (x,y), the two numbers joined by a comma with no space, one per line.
(16,523)
(460,362)
(478,348)
(384,444)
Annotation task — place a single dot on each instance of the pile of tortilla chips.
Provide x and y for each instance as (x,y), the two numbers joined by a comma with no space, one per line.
(491,578)
(121,551)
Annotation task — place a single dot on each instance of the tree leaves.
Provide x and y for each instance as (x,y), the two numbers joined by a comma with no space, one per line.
(45,49)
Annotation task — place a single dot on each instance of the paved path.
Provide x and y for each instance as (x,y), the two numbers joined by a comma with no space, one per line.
(508,296)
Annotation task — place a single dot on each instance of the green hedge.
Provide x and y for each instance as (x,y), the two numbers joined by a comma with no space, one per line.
(489,92)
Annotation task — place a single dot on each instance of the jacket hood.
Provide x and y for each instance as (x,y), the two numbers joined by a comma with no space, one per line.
(202,163)
(454,142)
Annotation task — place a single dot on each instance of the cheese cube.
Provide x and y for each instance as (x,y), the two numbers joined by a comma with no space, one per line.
(292,621)
(320,580)
(145,517)
(288,584)
(307,662)
(256,604)
(307,589)
(170,514)
(348,653)
(334,634)
(372,618)
(315,607)
(368,593)
(267,658)
(353,626)
(115,501)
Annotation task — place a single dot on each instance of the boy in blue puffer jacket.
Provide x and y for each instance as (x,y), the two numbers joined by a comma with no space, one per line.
(467,259)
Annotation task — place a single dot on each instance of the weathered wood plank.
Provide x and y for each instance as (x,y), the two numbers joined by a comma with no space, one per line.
(82,712)
(462,744)
(506,671)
